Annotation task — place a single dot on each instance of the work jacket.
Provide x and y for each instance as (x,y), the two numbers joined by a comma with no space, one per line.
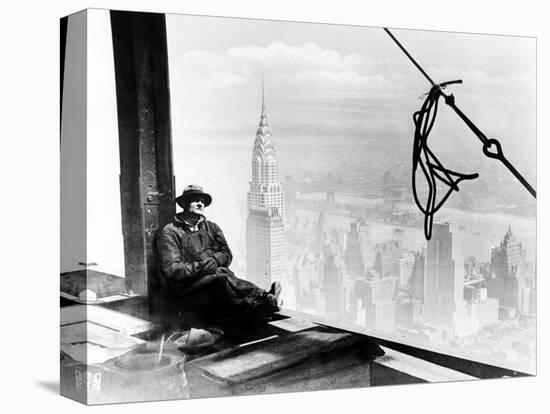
(183,248)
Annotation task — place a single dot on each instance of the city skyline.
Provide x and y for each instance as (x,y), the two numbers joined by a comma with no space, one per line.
(458,306)
(340,120)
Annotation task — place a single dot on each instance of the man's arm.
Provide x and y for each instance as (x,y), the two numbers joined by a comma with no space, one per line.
(222,254)
(171,259)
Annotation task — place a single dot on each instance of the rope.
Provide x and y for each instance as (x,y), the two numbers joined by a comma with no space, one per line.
(431,167)
(409,56)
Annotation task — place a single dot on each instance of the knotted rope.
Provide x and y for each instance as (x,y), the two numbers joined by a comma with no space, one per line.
(432,168)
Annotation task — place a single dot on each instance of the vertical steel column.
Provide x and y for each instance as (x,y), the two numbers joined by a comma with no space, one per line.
(63,22)
(143,105)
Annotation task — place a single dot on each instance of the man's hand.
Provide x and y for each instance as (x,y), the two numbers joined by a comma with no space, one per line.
(209,266)
(202,256)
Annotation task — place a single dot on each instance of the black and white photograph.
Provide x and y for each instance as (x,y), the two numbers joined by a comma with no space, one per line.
(260,230)
(267,207)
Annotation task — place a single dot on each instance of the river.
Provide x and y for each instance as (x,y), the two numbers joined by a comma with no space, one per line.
(481,231)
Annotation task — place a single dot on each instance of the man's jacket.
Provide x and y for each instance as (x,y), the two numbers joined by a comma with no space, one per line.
(184,248)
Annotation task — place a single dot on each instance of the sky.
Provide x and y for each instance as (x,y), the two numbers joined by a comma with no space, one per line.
(338,97)
(322,80)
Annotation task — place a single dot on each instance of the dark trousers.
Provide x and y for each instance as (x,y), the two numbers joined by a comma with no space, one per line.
(217,295)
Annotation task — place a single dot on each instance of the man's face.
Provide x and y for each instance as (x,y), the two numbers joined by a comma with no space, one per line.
(196,206)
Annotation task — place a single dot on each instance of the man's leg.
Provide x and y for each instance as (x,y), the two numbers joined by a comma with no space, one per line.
(212,289)
(207,300)
(242,288)
(223,291)
(255,297)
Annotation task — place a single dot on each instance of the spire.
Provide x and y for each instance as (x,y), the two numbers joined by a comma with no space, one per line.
(263,102)
(263,118)
(508,234)
(264,148)
(263,128)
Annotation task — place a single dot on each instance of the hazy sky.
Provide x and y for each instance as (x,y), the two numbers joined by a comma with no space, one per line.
(340,86)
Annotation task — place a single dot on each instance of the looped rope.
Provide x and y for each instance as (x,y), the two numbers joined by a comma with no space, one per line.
(432,168)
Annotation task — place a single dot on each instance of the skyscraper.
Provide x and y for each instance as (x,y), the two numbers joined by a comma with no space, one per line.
(333,281)
(444,303)
(506,260)
(418,276)
(482,310)
(353,256)
(307,272)
(405,266)
(378,301)
(265,232)
(387,258)
(507,280)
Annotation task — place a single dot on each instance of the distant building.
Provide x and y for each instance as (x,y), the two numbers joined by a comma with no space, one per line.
(322,231)
(416,282)
(405,266)
(353,256)
(350,300)
(320,303)
(387,258)
(533,301)
(526,298)
(408,312)
(444,303)
(507,282)
(265,232)
(482,311)
(333,283)
(307,272)
(378,301)
(367,250)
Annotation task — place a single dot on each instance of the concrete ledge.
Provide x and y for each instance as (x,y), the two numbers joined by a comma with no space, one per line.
(453,359)
(398,368)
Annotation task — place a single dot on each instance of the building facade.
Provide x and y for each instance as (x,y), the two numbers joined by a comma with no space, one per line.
(444,303)
(506,282)
(265,228)
(379,302)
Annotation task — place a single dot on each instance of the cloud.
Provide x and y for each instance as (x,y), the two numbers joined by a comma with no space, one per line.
(226,79)
(287,58)
(304,65)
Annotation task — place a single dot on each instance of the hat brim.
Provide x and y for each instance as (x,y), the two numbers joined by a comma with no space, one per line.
(184,197)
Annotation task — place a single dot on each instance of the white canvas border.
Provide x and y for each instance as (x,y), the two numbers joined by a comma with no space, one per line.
(30,203)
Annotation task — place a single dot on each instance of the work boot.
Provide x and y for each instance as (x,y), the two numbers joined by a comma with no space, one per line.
(274,302)
(265,305)
(275,290)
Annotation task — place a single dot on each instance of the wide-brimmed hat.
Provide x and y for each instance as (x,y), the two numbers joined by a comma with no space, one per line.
(191,191)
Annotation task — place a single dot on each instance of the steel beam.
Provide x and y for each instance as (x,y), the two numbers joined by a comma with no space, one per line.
(143,106)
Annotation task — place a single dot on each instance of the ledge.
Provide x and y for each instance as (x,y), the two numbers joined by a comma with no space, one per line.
(398,368)
(425,352)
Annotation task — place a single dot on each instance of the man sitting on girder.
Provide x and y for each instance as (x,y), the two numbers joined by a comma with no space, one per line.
(194,259)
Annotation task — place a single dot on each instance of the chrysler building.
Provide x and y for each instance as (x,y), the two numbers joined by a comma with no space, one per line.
(265,232)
